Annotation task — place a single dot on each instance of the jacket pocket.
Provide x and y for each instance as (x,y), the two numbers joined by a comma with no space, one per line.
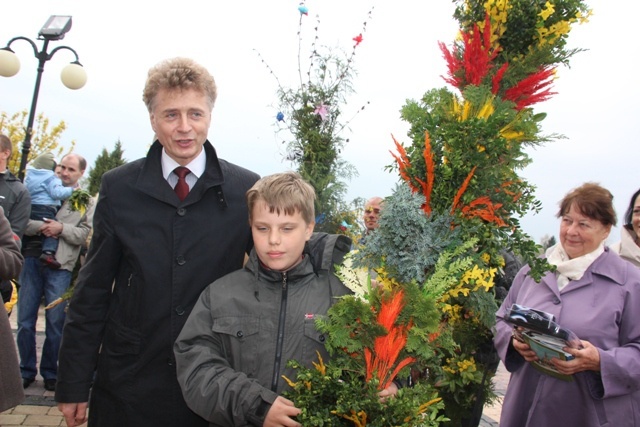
(118,357)
(240,340)
(313,342)
(125,310)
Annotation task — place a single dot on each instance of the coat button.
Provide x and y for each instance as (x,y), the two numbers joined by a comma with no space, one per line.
(169,361)
(239,334)
(182,211)
(179,310)
(180,260)
(556,301)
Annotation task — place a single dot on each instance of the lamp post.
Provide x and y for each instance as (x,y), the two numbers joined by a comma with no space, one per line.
(73,75)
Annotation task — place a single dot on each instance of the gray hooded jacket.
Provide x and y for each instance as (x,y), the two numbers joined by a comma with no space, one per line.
(233,350)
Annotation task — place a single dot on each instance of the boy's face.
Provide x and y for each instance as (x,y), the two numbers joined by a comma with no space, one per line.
(279,239)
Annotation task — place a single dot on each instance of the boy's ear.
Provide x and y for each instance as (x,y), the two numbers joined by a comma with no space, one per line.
(309,230)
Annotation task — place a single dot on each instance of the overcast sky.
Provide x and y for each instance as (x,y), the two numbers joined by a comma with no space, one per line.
(118,41)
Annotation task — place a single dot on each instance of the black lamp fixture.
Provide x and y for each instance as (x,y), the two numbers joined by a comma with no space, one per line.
(56,27)
(73,75)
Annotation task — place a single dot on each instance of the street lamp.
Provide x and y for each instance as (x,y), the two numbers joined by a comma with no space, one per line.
(73,75)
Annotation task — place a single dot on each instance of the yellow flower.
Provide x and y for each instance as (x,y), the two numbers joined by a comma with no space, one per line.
(501,261)
(487,109)
(320,366)
(359,419)
(547,11)
(425,405)
(291,383)
(467,365)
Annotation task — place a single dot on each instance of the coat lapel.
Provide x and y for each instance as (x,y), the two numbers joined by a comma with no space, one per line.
(151,181)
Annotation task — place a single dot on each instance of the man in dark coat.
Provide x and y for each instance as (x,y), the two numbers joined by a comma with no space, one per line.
(150,257)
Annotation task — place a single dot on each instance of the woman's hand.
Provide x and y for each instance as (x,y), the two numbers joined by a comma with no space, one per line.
(522,347)
(585,359)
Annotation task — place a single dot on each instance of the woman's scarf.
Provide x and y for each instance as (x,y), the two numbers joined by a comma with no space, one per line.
(570,269)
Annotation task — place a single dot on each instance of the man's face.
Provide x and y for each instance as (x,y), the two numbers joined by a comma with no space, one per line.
(70,171)
(371,214)
(181,119)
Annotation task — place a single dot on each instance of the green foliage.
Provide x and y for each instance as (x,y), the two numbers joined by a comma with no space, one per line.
(104,163)
(326,399)
(313,115)
(462,167)
(338,393)
(407,242)
(79,200)
(449,268)
(527,34)
(43,138)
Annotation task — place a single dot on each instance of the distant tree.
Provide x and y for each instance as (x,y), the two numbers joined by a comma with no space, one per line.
(547,241)
(43,138)
(104,163)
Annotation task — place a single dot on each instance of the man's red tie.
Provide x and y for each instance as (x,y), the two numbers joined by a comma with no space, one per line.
(181,188)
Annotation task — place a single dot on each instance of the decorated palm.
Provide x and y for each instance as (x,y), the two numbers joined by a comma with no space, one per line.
(427,317)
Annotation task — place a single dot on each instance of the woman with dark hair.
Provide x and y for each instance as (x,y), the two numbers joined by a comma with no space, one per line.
(593,293)
(629,245)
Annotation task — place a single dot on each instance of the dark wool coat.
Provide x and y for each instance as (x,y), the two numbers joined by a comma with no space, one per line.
(150,258)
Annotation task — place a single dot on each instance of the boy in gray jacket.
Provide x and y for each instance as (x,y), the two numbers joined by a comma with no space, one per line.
(232,352)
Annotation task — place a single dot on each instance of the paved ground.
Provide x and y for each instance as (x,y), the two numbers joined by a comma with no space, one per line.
(39,408)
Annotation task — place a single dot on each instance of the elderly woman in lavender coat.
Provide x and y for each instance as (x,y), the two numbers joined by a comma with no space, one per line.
(594,293)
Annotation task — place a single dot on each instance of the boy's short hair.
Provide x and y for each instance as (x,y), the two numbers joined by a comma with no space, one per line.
(284,192)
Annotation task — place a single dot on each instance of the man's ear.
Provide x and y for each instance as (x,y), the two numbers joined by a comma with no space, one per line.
(153,125)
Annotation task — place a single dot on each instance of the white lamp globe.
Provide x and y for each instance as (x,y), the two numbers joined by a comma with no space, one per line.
(9,63)
(73,76)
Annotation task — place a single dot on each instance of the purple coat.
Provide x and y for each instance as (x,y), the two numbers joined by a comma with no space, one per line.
(603,307)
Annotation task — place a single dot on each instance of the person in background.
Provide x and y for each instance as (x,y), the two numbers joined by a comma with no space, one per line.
(14,196)
(16,203)
(38,282)
(161,234)
(371,215)
(233,380)
(629,245)
(595,294)
(47,192)
(11,260)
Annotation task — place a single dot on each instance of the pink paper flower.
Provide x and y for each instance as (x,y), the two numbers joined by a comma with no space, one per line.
(322,111)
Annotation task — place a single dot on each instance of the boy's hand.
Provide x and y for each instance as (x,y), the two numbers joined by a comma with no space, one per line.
(280,414)
(388,392)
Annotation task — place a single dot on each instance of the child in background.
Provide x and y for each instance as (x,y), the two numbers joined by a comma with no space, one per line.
(47,193)
(233,350)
